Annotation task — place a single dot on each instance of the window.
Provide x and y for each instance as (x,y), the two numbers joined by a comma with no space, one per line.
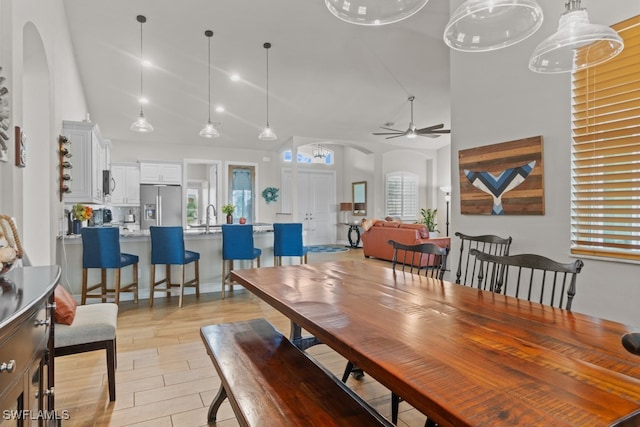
(605,218)
(311,154)
(241,190)
(402,195)
(202,191)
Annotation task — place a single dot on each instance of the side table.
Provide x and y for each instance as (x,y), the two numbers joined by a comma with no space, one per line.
(353,243)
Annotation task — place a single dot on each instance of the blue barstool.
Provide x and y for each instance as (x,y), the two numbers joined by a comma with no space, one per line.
(237,243)
(101,249)
(287,241)
(167,247)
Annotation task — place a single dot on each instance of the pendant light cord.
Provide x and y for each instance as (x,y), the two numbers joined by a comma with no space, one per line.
(267,46)
(142,20)
(209,37)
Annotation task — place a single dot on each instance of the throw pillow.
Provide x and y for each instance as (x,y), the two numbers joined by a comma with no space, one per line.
(65,306)
(368,223)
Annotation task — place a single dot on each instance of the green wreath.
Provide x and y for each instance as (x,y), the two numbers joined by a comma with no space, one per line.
(270,194)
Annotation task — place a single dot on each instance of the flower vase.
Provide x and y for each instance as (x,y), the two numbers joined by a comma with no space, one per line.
(77,226)
(229,219)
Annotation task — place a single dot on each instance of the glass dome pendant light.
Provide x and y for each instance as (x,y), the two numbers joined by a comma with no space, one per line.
(485,25)
(141,124)
(209,131)
(267,134)
(374,12)
(577,44)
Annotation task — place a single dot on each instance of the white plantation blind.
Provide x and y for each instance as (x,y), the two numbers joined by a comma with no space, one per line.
(605,218)
(402,195)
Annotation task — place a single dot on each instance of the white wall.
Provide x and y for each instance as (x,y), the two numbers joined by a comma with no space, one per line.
(60,90)
(495,98)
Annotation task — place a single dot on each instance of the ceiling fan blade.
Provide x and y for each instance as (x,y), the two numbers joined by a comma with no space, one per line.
(430,135)
(440,131)
(395,130)
(397,136)
(388,133)
(428,128)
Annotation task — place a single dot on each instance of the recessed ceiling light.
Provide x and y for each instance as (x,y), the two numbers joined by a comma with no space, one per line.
(143,100)
(146,63)
(234,77)
(219,109)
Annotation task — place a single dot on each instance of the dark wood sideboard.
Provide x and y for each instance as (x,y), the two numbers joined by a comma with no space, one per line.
(26,347)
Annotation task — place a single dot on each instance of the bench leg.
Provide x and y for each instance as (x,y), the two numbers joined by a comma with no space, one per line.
(111,368)
(215,405)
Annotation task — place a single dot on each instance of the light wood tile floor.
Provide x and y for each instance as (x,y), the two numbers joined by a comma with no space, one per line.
(164,376)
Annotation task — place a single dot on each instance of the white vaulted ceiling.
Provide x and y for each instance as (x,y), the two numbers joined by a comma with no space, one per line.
(327,79)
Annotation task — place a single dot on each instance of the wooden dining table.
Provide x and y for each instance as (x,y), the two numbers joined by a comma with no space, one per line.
(462,356)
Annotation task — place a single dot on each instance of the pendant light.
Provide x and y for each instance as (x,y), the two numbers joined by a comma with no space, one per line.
(374,12)
(209,131)
(141,125)
(577,44)
(267,134)
(485,25)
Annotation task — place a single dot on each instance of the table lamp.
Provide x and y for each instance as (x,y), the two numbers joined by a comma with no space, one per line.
(345,208)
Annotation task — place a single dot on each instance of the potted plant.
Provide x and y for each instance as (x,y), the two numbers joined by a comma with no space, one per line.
(428,218)
(228,210)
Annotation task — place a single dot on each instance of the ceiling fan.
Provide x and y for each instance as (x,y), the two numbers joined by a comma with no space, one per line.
(431,131)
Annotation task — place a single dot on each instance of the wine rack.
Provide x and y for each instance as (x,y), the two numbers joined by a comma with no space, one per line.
(64,166)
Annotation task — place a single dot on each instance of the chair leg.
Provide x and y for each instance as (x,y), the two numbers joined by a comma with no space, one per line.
(230,269)
(135,281)
(224,276)
(117,286)
(258,262)
(305,258)
(83,298)
(181,285)
(103,283)
(111,368)
(152,284)
(168,276)
(197,275)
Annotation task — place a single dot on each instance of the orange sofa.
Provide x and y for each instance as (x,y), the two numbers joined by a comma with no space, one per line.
(375,237)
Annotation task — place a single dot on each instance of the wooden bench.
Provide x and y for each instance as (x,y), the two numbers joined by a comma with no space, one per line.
(270,382)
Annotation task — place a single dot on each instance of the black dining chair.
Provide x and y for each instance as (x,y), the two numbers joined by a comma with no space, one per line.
(529,276)
(468,264)
(426,258)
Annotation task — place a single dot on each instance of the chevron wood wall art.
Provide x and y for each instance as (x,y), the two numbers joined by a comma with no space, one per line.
(503,179)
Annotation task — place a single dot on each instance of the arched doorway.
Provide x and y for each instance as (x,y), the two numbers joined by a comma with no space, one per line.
(39,182)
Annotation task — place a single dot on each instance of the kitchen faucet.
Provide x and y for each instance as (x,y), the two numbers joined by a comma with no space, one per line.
(215,214)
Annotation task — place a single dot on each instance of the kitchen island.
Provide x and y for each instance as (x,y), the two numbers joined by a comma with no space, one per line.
(207,243)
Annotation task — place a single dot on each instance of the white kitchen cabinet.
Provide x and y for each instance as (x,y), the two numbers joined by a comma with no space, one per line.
(125,184)
(161,173)
(90,155)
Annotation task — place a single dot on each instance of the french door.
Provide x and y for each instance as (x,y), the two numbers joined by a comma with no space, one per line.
(315,202)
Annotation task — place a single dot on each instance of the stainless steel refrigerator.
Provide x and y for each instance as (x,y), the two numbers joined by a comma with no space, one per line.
(160,205)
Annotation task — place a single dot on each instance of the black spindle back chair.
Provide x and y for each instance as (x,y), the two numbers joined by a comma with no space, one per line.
(468,264)
(529,276)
